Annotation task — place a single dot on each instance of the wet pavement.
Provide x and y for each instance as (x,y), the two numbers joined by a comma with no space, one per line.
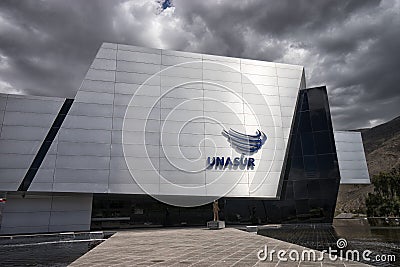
(47,249)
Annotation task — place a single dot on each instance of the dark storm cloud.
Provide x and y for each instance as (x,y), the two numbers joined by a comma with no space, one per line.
(272,17)
(48,43)
(363,77)
(351,46)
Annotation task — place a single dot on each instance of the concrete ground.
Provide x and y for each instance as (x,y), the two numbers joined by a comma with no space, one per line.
(192,247)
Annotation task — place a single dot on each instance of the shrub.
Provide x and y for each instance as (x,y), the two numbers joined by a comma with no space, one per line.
(385,200)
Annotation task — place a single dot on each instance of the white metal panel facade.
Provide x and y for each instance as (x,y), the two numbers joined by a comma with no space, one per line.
(352,163)
(25,122)
(46,212)
(176,87)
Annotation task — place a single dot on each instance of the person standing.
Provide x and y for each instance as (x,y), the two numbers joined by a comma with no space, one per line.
(216,210)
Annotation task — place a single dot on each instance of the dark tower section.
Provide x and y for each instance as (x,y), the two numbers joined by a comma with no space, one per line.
(311,176)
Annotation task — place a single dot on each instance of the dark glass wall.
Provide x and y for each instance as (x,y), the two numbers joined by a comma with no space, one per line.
(311,173)
(126,211)
(308,188)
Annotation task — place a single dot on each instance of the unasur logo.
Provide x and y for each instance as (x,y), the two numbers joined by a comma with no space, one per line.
(242,143)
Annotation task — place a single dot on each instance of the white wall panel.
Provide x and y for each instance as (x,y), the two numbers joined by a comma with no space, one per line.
(28,119)
(289,66)
(172,60)
(84,135)
(128,66)
(139,49)
(130,188)
(182,178)
(80,187)
(93,110)
(287,122)
(83,149)
(350,152)
(138,57)
(3,101)
(168,83)
(93,98)
(183,93)
(127,88)
(1,119)
(259,99)
(140,138)
(109,46)
(258,69)
(221,65)
(176,127)
(187,104)
(289,92)
(221,59)
(137,78)
(190,153)
(97,86)
(125,177)
(184,70)
(9,175)
(180,114)
(87,122)
(186,140)
(262,110)
(106,53)
(287,111)
(288,73)
(43,106)
(178,166)
(136,112)
(350,147)
(214,75)
(138,163)
(43,176)
(103,64)
(49,162)
(288,82)
(19,147)
(35,213)
(78,175)
(287,101)
(135,151)
(141,125)
(181,54)
(267,90)
(223,96)
(259,79)
(83,162)
(100,75)
(22,135)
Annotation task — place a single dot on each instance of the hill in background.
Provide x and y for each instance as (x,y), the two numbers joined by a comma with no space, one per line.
(382,150)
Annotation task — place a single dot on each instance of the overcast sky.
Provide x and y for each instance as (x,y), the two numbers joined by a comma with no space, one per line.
(353,47)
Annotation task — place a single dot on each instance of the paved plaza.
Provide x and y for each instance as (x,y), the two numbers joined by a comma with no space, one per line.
(192,247)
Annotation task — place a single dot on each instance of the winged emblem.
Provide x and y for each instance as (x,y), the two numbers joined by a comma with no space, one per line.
(244,143)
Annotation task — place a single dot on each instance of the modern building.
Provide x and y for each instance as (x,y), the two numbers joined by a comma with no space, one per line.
(153,136)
